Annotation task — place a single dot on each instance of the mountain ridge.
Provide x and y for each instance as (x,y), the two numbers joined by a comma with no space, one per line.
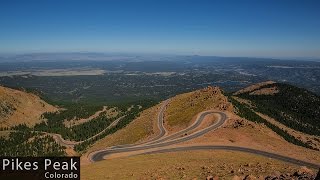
(18,107)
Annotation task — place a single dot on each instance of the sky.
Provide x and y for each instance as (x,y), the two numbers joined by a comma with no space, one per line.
(254,28)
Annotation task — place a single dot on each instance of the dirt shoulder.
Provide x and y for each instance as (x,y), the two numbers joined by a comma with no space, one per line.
(186,165)
(243,133)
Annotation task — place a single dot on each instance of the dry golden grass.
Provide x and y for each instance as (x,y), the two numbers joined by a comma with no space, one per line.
(139,129)
(24,108)
(180,112)
(182,108)
(185,165)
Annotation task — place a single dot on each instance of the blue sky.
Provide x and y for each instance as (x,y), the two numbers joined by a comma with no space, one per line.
(279,28)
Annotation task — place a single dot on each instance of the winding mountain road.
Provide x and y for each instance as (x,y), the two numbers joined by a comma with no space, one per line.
(160,124)
(164,143)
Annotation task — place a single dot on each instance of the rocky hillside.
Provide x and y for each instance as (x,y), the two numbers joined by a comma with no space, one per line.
(17,107)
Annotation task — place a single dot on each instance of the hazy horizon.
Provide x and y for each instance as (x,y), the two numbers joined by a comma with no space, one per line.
(276,29)
(7,56)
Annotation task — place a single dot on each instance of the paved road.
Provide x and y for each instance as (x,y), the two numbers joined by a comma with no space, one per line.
(166,142)
(195,125)
(160,123)
(240,149)
(98,156)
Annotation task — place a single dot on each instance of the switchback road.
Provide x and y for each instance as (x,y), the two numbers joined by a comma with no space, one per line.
(164,143)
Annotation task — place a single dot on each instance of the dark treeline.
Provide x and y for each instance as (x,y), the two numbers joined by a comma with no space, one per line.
(78,132)
(54,123)
(89,129)
(294,107)
(144,103)
(19,142)
(77,111)
(122,123)
(129,117)
(29,144)
(247,113)
(19,127)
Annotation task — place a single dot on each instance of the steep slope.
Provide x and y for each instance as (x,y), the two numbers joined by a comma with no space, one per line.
(293,109)
(191,104)
(17,107)
(182,112)
(142,128)
(145,127)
